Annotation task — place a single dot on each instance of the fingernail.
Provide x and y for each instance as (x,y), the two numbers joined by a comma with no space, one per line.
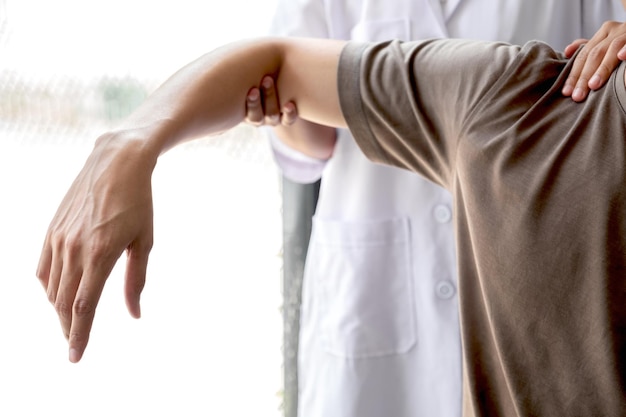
(74,355)
(567,90)
(594,81)
(578,93)
(267,82)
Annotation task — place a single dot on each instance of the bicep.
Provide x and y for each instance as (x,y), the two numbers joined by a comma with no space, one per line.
(308,77)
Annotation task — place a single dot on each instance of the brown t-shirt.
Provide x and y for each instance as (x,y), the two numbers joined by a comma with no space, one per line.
(540,195)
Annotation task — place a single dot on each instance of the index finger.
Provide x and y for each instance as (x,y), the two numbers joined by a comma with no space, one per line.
(270,101)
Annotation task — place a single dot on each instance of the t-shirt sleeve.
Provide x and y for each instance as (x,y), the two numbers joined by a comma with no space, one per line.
(407,103)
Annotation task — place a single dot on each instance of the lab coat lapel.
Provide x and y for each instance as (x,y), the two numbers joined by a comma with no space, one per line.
(433,22)
(451,6)
(437,11)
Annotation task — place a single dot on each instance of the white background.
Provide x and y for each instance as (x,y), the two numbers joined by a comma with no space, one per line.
(210,336)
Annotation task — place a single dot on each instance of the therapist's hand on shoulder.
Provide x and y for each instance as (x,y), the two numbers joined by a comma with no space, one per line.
(107,211)
(596,61)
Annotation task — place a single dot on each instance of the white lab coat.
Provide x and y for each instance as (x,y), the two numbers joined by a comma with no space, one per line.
(379,332)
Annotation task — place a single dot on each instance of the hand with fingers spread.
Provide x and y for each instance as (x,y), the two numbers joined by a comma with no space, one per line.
(263,106)
(106,211)
(596,61)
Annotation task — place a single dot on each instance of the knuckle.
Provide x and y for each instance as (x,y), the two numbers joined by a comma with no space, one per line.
(603,70)
(63,309)
(77,338)
(99,250)
(56,240)
(83,308)
(608,25)
(72,245)
(596,53)
(617,43)
(583,54)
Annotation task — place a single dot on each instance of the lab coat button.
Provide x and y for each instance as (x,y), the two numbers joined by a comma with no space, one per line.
(445,290)
(442,213)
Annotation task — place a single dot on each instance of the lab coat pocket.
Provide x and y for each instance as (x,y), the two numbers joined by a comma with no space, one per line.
(364,287)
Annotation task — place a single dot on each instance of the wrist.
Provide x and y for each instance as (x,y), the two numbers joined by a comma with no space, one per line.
(141,145)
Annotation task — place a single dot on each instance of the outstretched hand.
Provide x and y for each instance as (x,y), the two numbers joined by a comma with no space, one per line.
(596,61)
(107,210)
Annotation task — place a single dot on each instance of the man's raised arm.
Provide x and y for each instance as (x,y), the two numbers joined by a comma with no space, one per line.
(108,208)
(205,96)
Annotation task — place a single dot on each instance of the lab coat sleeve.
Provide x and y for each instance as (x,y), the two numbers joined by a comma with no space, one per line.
(306,18)
(295,165)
